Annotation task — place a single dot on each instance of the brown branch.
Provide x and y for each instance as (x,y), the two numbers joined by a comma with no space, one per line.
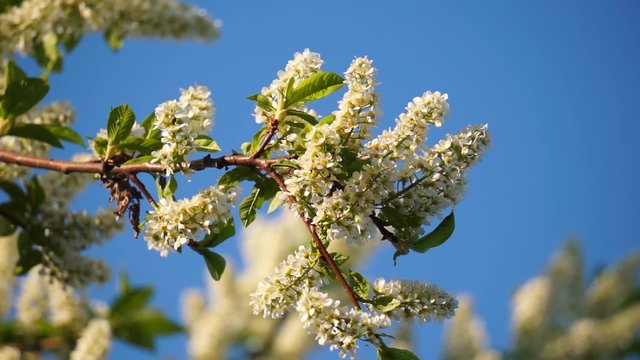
(273,126)
(316,240)
(388,235)
(95,167)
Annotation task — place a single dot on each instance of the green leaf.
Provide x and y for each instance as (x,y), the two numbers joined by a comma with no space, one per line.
(314,87)
(236,175)
(207,144)
(70,41)
(35,132)
(303,115)
(278,199)
(143,146)
(129,302)
(219,232)
(262,102)
(147,123)
(338,258)
(157,323)
(250,204)
(286,163)
(139,160)
(14,191)
(114,39)
(389,353)
(119,124)
(170,188)
(64,133)
(327,120)
(35,193)
(13,73)
(22,95)
(437,237)
(6,227)
(215,263)
(359,284)
(386,303)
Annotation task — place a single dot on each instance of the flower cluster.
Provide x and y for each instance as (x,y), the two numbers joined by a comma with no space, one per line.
(303,65)
(277,293)
(417,300)
(176,223)
(181,122)
(95,341)
(43,23)
(337,326)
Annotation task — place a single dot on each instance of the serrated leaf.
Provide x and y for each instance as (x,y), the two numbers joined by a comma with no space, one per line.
(437,237)
(206,144)
(65,133)
(389,353)
(22,95)
(262,102)
(139,160)
(359,284)
(314,87)
(120,123)
(236,175)
(386,303)
(303,115)
(35,132)
(250,204)
(129,302)
(215,263)
(219,233)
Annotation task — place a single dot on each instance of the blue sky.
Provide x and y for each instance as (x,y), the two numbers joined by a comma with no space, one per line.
(557,82)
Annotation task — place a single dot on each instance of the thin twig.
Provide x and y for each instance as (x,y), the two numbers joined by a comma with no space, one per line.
(143,190)
(388,235)
(273,126)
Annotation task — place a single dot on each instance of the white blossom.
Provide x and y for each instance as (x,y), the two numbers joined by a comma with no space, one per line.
(181,122)
(425,302)
(176,223)
(9,256)
(94,342)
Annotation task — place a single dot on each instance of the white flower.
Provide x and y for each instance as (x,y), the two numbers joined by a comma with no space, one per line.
(181,122)
(175,223)
(94,342)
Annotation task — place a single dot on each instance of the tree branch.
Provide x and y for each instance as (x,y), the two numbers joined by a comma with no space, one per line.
(273,126)
(388,235)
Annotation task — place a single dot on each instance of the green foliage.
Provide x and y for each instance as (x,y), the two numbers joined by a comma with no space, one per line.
(359,284)
(437,237)
(314,87)
(389,353)
(21,94)
(214,261)
(220,232)
(134,321)
(264,189)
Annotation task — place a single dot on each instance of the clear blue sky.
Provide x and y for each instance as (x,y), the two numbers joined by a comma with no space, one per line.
(557,81)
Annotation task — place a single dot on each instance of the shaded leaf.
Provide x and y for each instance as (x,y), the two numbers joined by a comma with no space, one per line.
(236,175)
(215,263)
(359,284)
(130,301)
(389,353)
(219,232)
(35,132)
(22,95)
(303,115)
(437,237)
(65,133)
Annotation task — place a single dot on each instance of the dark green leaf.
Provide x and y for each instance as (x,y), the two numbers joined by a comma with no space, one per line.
(35,193)
(139,160)
(250,204)
(388,353)
(286,163)
(215,263)
(236,175)
(13,73)
(134,333)
(129,302)
(219,232)
(303,115)
(262,102)
(157,323)
(338,258)
(64,133)
(22,95)
(71,40)
(14,191)
(35,132)
(359,284)
(119,124)
(314,87)
(437,237)
(386,303)
(6,227)
(207,144)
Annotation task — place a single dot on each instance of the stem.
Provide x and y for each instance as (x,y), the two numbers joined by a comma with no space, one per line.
(316,240)
(143,190)
(273,126)
(388,235)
